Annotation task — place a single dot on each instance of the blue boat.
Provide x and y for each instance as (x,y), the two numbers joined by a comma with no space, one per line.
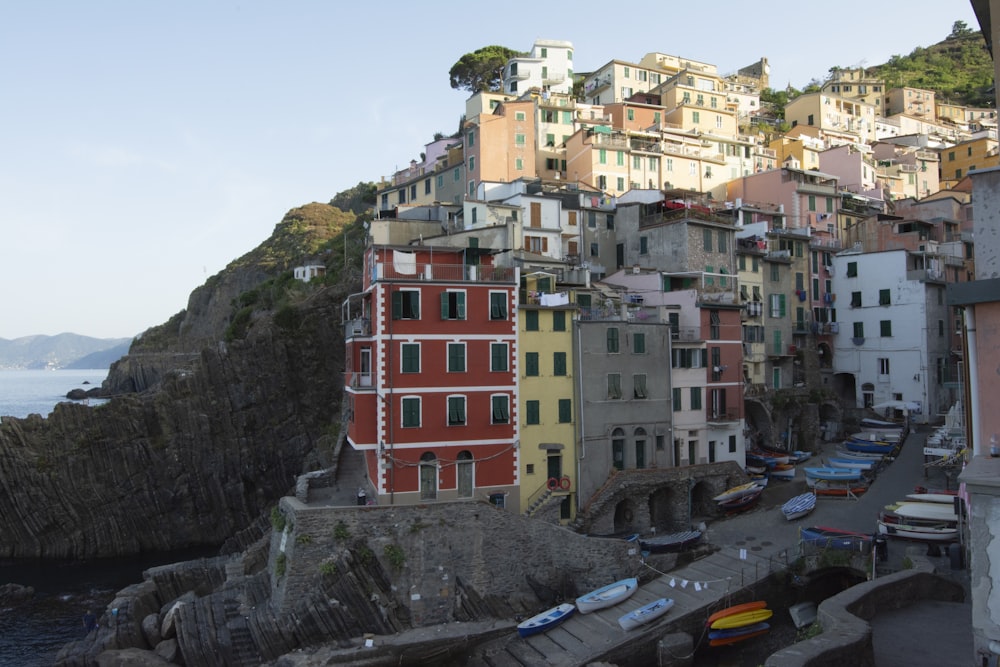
(835,538)
(738,632)
(869,446)
(546,620)
(833,474)
(608,596)
(854,464)
(645,613)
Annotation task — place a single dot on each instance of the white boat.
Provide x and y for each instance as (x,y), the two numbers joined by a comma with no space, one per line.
(942,498)
(852,464)
(645,613)
(545,620)
(607,596)
(923,511)
(922,533)
(799,506)
(739,491)
(843,453)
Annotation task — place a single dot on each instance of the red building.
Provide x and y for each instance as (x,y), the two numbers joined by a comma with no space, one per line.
(431,373)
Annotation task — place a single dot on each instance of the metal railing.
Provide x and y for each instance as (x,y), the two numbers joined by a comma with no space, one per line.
(445,272)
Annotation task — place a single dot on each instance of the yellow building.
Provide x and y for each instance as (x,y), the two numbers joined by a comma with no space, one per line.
(841,120)
(547,415)
(958,160)
(750,255)
(915,102)
(855,84)
(803,148)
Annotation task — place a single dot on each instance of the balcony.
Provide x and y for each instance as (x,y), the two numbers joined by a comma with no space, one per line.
(925,275)
(358,327)
(686,335)
(909,168)
(519,73)
(444,272)
(609,140)
(360,380)
(554,77)
(724,416)
(925,155)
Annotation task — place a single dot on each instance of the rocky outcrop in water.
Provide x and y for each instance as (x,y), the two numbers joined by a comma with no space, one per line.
(207,426)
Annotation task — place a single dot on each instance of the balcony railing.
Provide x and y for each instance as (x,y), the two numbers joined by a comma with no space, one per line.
(444,272)
(925,275)
(358,379)
(729,415)
(686,334)
(358,327)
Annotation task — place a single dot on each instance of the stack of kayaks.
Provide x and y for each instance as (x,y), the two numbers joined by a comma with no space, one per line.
(738,623)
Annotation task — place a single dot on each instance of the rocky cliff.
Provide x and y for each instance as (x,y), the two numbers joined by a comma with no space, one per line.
(214,414)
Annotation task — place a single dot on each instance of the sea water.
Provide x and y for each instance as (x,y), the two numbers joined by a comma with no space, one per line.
(32,633)
(36,392)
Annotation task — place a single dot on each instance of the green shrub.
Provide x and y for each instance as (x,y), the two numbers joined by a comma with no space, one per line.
(395,555)
(328,567)
(279,565)
(304,538)
(340,531)
(277,519)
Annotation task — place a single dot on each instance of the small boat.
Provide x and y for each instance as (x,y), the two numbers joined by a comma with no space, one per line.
(852,464)
(742,619)
(546,620)
(943,498)
(924,489)
(783,471)
(803,613)
(845,453)
(737,491)
(835,538)
(922,533)
(800,456)
(885,437)
(923,511)
(741,503)
(608,596)
(735,609)
(870,423)
(771,455)
(799,506)
(738,634)
(669,541)
(833,474)
(822,487)
(869,447)
(645,613)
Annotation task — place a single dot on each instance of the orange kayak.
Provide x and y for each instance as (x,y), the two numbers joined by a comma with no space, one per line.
(735,609)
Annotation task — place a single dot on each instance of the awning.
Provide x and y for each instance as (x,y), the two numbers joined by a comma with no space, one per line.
(602,129)
(551,446)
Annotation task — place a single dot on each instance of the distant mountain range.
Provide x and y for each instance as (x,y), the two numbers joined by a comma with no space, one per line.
(65,350)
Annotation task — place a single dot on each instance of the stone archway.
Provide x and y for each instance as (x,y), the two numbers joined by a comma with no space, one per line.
(662,509)
(626,517)
(831,419)
(702,505)
(759,425)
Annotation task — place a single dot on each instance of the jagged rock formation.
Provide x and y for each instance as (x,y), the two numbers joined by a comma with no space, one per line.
(207,428)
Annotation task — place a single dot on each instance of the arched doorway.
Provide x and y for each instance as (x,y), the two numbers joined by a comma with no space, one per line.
(618,449)
(625,516)
(640,447)
(428,476)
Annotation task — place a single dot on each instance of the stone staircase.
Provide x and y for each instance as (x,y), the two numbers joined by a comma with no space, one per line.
(538,502)
(352,473)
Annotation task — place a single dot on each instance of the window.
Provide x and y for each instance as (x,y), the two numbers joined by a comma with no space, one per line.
(676,398)
(531,320)
(855,299)
(406,305)
(852,269)
(639,386)
(715,325)
(472,164)
(519,140)
(612,340)
(696,398)
(559,363)
(456,357)
(777,305)
(602,156)
(594,250)
(885,328)
(498,305)
(614,386)
(498,357)
(410,352)
(884,297)
(695,117)
(565,410)
(859,329)
(456,410)
(643,245)
(620,158)
(706,236)
(883,366)
(812,199)
(722,241)
(559,320)
(411,411)
(775,273)
(453,305)
(638,343)
(532,411)
(501,409)
(531,364)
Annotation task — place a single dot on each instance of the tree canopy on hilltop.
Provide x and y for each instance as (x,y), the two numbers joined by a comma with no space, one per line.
(357,200)
(481,70)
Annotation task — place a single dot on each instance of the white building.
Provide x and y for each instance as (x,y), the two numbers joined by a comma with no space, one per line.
(549,66)
(892,342)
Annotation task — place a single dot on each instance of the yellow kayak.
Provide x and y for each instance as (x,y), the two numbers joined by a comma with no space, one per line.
(739,620)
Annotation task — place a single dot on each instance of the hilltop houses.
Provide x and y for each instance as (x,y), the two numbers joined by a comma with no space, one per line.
(628,277)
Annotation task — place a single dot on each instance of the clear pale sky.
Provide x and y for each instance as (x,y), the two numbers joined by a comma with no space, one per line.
(145,145)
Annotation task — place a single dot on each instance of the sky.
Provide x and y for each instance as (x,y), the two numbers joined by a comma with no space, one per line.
(145,145)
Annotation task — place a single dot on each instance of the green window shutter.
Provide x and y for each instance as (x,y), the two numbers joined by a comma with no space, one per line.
(677,398)
(411,358)
(781,305)
(559,320)
(565,411)
(456,358)
(461,306)
(531,364)
(445,310)
(639,343)
(397,305)
(532,410)
(612,340)
(559,363)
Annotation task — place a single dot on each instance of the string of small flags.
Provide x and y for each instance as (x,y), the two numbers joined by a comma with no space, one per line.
(697,585)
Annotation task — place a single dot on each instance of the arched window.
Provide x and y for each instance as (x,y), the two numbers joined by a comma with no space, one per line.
(465,469)
(428,476)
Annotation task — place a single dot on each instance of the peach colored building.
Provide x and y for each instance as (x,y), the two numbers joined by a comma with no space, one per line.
(500,146)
